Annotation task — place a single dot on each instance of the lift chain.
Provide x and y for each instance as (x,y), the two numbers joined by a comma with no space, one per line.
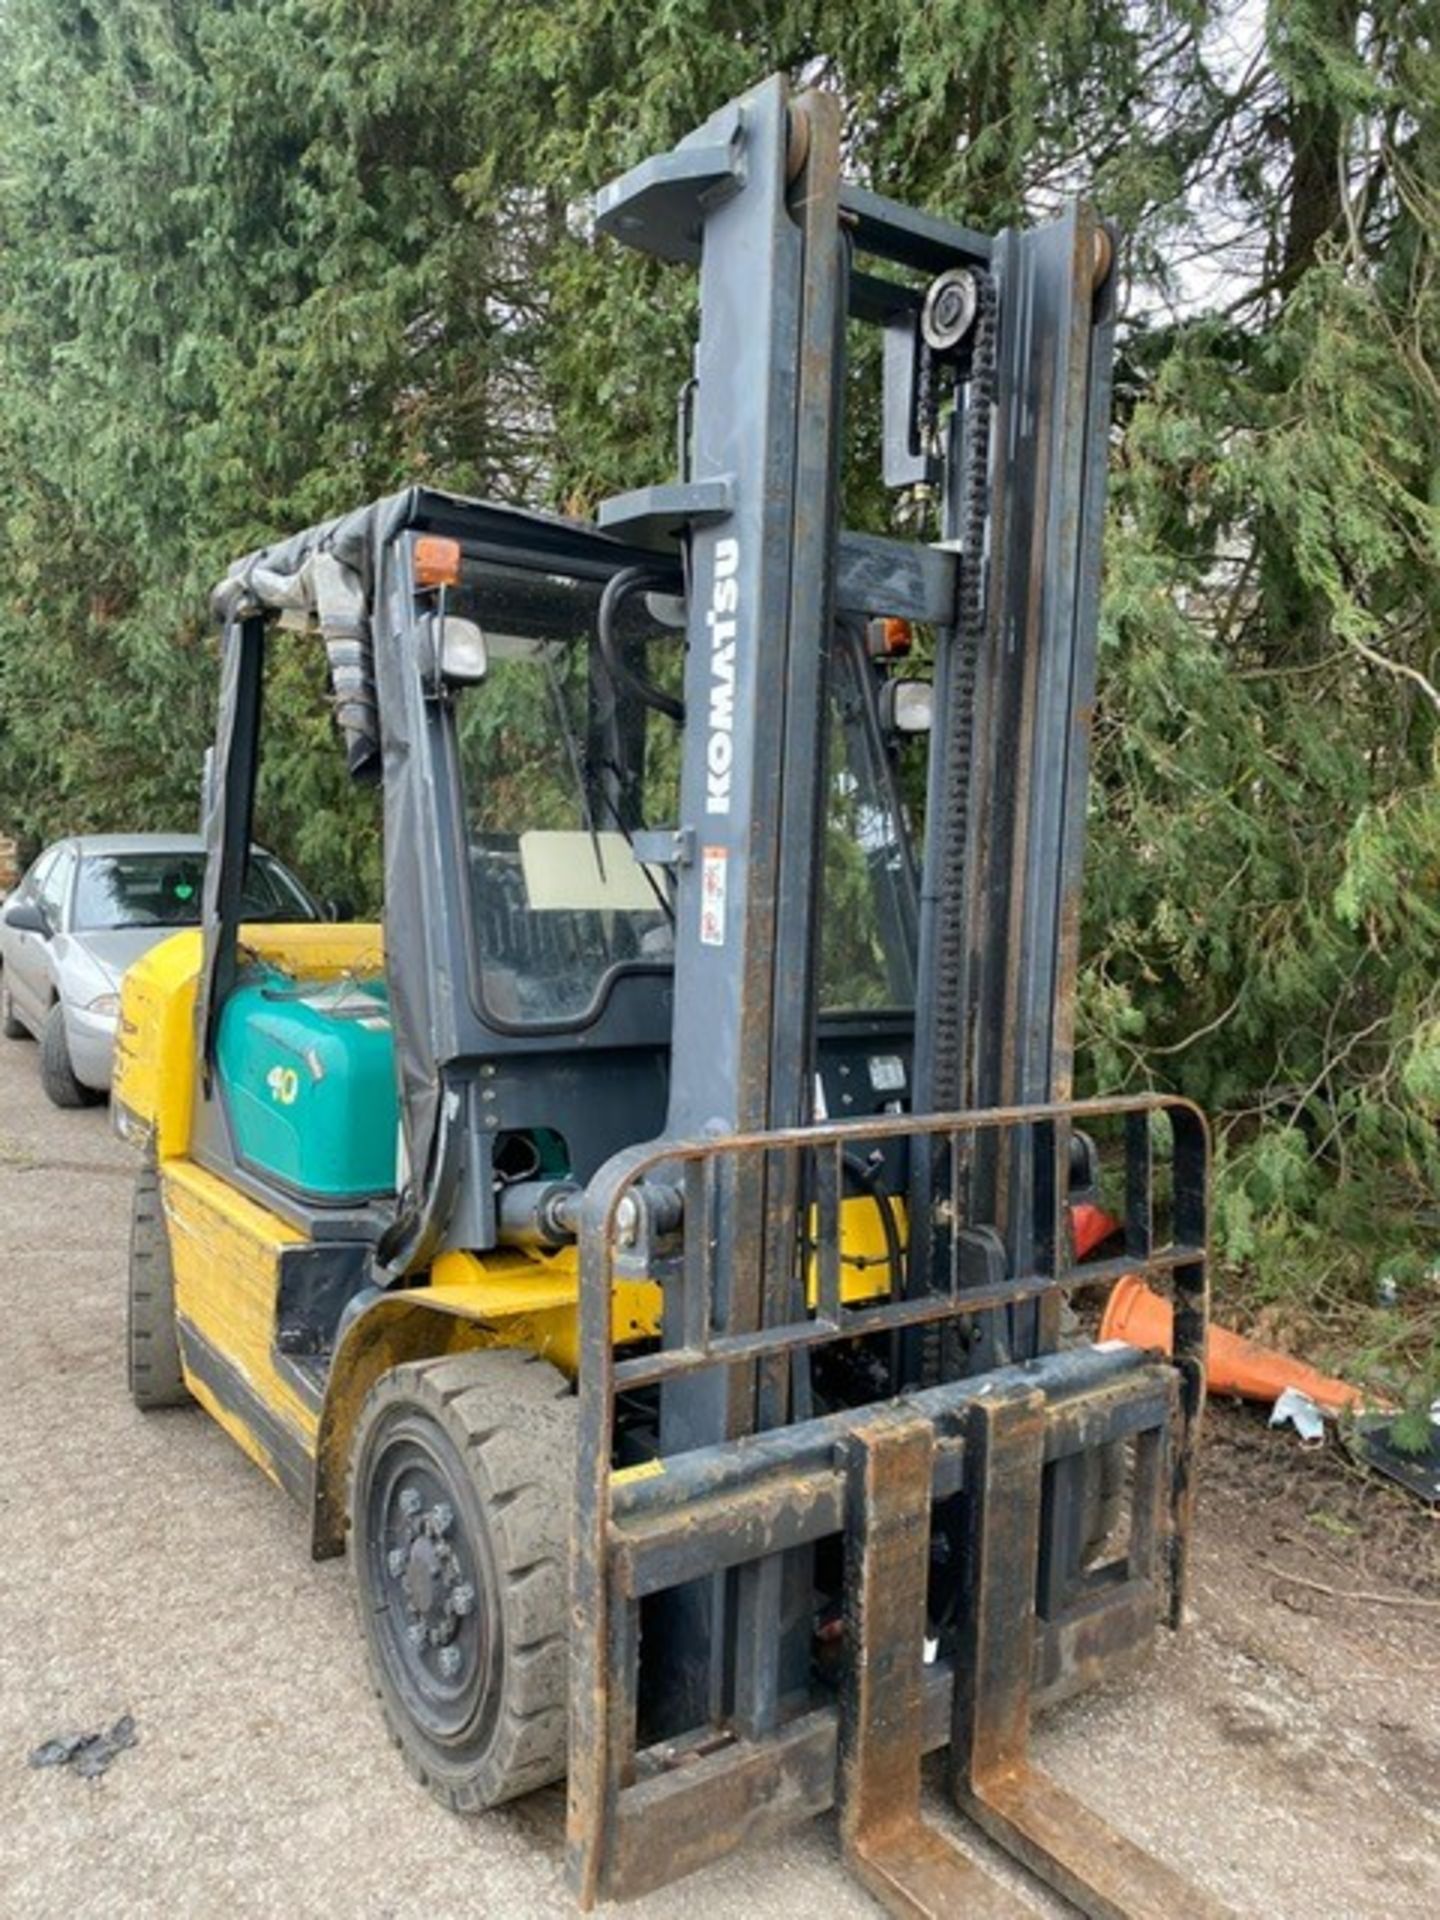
(958,709)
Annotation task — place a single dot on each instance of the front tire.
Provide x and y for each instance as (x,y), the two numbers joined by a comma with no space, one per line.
(152,1344)
(57,1076)
(461,1490)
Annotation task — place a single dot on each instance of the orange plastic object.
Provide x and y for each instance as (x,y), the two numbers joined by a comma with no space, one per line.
(1090,1225)
(1232,1365)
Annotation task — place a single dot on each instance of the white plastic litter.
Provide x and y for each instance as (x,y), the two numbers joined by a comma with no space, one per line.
(1298,1410)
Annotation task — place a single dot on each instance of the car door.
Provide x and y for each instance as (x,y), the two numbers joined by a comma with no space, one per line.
(27,964)
(9,936)
(56,889)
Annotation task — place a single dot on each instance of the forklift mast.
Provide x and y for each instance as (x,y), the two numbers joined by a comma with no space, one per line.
(694,1717)
(996,366)
(996,403)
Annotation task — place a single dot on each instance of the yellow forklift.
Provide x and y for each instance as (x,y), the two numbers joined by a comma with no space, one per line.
(647,1250)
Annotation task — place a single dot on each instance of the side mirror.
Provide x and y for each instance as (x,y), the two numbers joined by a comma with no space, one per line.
(340,908)
(28,916)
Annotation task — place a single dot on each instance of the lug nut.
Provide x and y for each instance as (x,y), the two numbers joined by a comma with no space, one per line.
(462,1600)
(410,1501)
(396,1560)
(448,1661)
(441,1518)
(416,1633)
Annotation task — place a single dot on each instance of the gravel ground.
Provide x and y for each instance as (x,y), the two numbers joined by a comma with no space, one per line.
(1284,1752)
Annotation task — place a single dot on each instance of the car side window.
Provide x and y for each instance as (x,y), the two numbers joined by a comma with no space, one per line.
(55,885)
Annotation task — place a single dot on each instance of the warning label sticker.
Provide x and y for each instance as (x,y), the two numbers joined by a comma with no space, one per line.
(712,895)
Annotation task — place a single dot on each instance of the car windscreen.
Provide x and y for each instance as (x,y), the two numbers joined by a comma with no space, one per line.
(163,890)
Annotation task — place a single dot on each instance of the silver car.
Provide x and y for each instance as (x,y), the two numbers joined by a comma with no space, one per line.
(86,910)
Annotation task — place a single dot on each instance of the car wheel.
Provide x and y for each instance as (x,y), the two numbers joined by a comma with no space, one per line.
(57,1076)
(461,1484)
(12,1028)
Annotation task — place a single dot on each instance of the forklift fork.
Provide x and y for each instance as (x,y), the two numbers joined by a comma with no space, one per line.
(1057,1836)
(906,1862)
(910,1866)
(1034,1617)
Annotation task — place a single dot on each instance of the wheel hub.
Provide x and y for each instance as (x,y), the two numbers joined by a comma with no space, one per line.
(428,1573)
(429,1586)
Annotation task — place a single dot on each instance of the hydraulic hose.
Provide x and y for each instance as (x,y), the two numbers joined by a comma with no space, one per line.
(620,585)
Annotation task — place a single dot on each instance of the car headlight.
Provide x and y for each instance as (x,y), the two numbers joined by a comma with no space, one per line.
(107,1004)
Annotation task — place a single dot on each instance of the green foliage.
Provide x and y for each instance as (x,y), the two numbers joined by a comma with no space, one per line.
(262,260)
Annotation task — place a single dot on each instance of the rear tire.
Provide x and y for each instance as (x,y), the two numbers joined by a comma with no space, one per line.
(152,1342)
(57,1076)
(12,1028)
(461,1489)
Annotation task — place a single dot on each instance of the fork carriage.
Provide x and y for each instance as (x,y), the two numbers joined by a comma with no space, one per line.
(951,1649)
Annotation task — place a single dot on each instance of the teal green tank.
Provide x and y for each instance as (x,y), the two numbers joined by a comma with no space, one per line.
(307,1070)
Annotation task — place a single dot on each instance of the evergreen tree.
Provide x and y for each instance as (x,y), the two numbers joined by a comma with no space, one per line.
(261,260)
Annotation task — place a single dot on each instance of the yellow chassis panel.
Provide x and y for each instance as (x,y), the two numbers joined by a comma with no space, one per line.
(227,1248)
(225,1251)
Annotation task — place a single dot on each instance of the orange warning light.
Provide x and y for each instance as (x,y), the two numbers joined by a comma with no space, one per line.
(437,561)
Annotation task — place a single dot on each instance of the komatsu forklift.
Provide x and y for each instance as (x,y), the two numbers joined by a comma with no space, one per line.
(648,1251)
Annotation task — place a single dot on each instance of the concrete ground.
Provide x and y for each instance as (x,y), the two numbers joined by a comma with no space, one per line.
(1285,1752)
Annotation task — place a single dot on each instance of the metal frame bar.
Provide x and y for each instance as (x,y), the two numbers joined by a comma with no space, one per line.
(229,821)
(702,1346)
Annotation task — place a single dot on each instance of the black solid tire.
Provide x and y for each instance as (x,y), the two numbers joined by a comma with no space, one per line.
(502,1426)
(57,1076)
(12,1028)
(152,1344)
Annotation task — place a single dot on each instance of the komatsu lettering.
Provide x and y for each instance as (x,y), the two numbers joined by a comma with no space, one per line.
(721,620)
